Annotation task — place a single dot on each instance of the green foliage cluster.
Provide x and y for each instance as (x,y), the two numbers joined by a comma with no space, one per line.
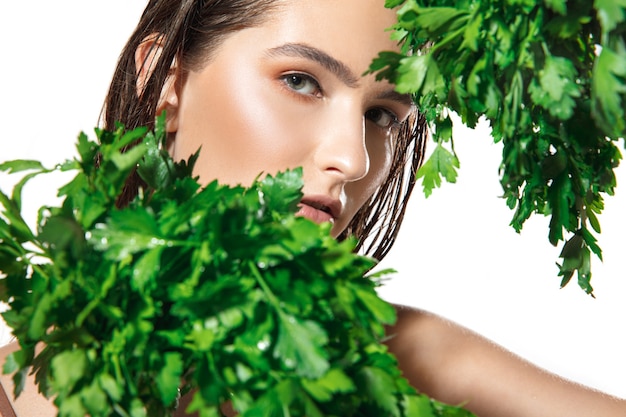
(549,76)
(218,290)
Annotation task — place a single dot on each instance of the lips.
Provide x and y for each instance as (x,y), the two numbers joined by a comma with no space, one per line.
(319,209)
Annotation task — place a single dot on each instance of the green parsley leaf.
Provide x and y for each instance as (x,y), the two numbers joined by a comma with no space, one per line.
(441,163)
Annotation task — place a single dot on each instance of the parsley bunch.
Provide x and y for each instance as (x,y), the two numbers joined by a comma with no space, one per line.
(549,76)
(218,290)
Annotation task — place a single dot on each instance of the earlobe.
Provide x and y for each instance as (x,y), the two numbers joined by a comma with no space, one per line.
(168,101)
(147,56)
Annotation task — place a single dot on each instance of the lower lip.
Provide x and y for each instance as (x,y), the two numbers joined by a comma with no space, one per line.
(316,215)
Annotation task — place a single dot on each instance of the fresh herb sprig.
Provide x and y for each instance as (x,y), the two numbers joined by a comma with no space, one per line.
(218,290)
(549,76)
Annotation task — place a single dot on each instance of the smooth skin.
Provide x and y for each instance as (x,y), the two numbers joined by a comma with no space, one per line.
(458,366)
(290,93)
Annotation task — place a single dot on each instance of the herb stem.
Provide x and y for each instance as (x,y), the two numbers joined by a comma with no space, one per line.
(266,289)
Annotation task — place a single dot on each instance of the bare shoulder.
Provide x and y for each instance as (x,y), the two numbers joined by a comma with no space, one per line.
(30,402)
(457,366)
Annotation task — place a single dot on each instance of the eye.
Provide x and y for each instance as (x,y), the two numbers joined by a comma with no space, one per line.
(382,117)
(302,84)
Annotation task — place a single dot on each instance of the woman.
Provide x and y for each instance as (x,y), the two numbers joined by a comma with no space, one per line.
(271,87)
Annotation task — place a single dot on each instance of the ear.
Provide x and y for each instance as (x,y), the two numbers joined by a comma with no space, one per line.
(147,56)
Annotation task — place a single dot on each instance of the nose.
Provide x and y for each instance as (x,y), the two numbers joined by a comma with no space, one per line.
(341,148)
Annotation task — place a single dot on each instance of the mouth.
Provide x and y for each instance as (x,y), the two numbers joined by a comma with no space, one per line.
(319,209)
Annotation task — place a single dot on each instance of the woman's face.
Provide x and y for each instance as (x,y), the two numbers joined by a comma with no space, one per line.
(290,93)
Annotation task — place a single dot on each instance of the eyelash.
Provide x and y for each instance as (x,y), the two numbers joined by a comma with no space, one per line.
(393,118)
(290,78)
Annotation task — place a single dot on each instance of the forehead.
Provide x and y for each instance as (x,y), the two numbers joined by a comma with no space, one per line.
(351,30)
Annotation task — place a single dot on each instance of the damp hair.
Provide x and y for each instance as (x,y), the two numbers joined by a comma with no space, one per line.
(189,32)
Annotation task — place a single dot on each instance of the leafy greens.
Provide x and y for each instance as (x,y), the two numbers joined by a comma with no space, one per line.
(218,291)
(550,78)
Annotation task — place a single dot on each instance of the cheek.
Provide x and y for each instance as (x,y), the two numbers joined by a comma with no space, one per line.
(242,123)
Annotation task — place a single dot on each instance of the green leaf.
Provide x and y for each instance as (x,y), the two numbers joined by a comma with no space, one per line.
(203,335)
(412,73)
(384,64)
(168,379)
(300,346)
(420,75)
(146,269)
(608,91)
(39,320)
(384,312)
(593,221)
(473,33)
(559,6)
(376,384)
(390,4)
(12,362)
(556,90)
(63,234)
(334,381)
(19,165)
(419,406)
(87,149)
(72,406)
(157,168)
(577,257)
(19,229)
(68,368)
(561,198)
(17,190)
(431,21)
(123,139)
(129,159)
(137,409)
(110,386)
(95,400)
(610,13)
(441,163)
(199,406)
(127,232)
(584,271)
(283,192)
(591,242)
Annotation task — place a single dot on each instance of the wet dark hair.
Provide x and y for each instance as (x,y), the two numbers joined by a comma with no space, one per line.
(189,31)
(377,223)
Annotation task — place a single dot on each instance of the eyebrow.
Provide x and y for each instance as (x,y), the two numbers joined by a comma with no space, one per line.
(300,50)
(404,99)
(338,68)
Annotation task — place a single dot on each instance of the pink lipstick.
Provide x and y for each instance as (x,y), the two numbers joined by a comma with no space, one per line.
(319,209)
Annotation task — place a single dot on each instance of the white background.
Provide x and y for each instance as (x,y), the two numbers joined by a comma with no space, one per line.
(456,255)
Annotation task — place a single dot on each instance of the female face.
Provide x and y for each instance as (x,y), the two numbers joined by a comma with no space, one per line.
(289,93)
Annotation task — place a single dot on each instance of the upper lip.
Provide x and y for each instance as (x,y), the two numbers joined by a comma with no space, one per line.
(320,202)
